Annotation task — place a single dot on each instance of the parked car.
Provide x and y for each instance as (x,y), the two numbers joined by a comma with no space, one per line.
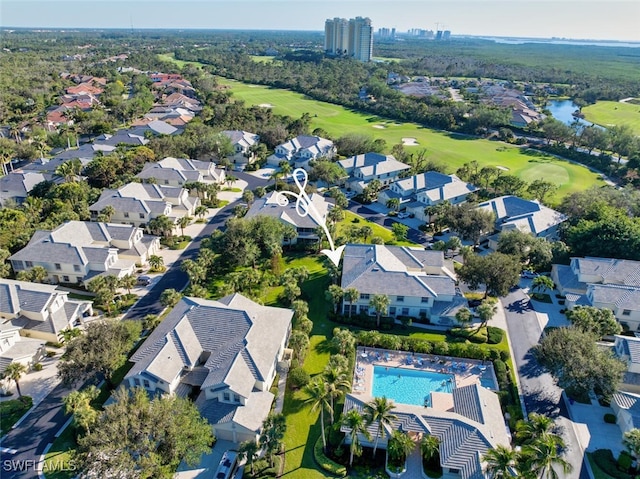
(528,274)
(144,280)
(403,215)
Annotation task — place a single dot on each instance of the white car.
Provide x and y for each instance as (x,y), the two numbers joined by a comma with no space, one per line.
(403,216)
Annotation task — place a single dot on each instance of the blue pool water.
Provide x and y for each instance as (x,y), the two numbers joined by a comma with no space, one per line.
(409,386)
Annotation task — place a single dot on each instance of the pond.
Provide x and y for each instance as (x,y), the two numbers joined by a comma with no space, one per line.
(562,110)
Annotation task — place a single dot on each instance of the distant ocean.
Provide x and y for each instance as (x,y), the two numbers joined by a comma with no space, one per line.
(561,41)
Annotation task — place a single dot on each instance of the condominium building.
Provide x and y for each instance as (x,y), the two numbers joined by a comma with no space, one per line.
(353,38)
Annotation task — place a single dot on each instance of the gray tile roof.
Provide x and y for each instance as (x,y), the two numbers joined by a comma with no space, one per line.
(373,164)
(423,181)
(611,270)
(623,297)
(379,269)
(631,346)
(631,403)
(243,138)
(269,206)
(525,215)
(19,183)
(239,339)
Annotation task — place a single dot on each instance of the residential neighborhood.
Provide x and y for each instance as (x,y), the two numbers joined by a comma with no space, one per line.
(199,278)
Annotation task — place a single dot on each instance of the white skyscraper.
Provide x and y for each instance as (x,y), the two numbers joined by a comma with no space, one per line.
(353,37)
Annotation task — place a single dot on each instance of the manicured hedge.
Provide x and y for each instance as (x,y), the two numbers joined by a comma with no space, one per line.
(610,418)
(474,335)
(325,463)
(494,335)
(605,461)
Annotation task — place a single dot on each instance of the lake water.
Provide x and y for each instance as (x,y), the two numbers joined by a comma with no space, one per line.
(562,110)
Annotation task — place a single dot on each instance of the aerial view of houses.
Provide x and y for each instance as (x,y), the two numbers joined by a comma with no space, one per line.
(366,253)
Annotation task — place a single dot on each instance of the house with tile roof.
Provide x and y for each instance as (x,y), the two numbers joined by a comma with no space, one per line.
(371,166)
(467,425)
(18,349)
(603,283)
(226,352)
(417,192)
(178,171)
(138,203)
(78,251)
(16,185)
(299,151)
(626,407)
(627,349)
(121,137)
(528,216)
(305,226)
(419,283)
(40,311)
(242,143)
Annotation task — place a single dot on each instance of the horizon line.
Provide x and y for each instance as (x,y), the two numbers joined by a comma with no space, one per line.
(402,33)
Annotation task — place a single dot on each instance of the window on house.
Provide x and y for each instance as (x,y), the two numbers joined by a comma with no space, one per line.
(76,267)
(146,383)
(400,299)
(364,309)
(405,311)
(364,296)
(28,264)
(626,312)
(136,381)
(65,279)
(424,300)
(166,182)
(423,313)
(17,264)
(236,398)
(226,396)
(57,266)
(392,311)
(126,215)
(141,216)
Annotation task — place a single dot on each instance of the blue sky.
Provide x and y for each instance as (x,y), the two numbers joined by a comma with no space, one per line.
(577,19)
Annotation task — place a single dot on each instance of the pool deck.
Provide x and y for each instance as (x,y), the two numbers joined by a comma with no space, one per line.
(465,371)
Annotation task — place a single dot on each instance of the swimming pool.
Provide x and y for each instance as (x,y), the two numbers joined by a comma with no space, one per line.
(409,386)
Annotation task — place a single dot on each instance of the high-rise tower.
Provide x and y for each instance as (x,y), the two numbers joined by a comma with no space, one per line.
(352,38)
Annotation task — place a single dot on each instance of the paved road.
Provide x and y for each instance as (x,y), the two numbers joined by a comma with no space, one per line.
(32,436)
(537,387)
(414,235)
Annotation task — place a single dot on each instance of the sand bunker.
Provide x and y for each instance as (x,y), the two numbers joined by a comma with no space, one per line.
(409,142)
(265,105)
(503,168)
(381,127)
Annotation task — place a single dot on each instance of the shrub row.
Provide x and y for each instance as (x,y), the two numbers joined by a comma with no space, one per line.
(605,461)
(325,463)
(441,348)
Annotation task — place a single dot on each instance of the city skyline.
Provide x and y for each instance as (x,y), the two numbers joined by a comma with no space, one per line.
(570,19)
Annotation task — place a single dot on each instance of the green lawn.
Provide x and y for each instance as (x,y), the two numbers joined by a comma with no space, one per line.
(448,148)
(169,57)
(609,113)
(59,463)
(11,411)
(354,219)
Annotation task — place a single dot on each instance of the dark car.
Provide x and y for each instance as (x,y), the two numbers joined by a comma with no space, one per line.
(144,280)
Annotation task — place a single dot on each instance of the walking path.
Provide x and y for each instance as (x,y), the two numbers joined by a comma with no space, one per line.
(414,465)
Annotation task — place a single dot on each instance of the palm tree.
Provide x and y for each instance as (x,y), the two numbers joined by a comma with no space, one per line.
(156,262)
(393,203)
(334,294)
(285,168)
(356,424)
(501,462)
(14,372)
(273,429)
(319,399)
(351,295)
(249,450)
(486,311)
(170,297)
(631,440)
(430,448)
(541,283)
(161,224)
(106,214)
(39,274)
(127,282)
(378,411)
(69,170)
(200,211)
(464,316)
(337,384)
(380,303)
(543,456)
(78,403)
(399,447)
(537,427)
(183,222)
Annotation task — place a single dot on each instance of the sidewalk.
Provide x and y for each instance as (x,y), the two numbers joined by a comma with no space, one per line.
(37,384)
